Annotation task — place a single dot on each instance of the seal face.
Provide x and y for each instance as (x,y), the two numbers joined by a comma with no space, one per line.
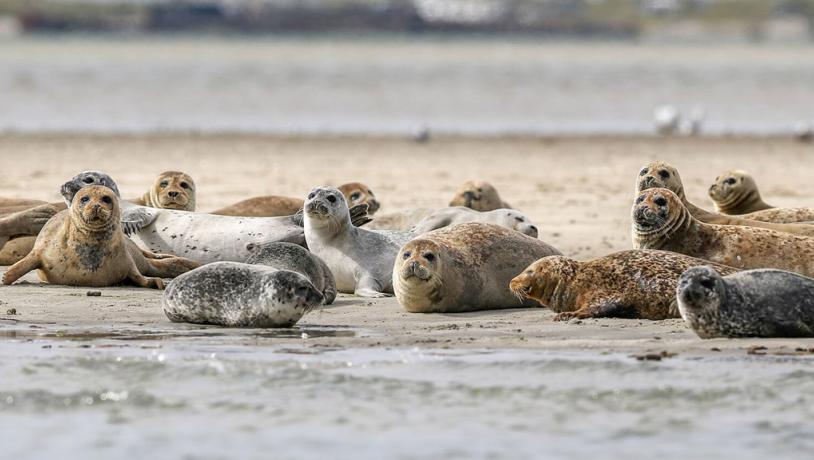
(240,295)
(171,190)
(735,192)
(357,193)
(464,267)
(507,218)
(478,195)
(660,221)
(626,284)
(361,260)
(754,303)
(287,256)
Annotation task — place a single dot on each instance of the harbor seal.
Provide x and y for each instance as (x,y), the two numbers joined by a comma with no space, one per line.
(27,222)
(15,249)
(402,220)
(465,267)
(361,260)
(355,194)
(658,174)
(754,303)
(661,221)
(239,295)
(84,246)
(170,190)
(478,195)
(507,218)
(735,192)
(287,256)
(625,284)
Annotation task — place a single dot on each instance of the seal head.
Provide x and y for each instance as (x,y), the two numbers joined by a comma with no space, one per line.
(700,293)
(657,214)
(172,190)
(736,192)
(419,267)
(658,174)
(357,193)
(478,195)
(546,281)
(95,209)
(327,209)
(85,179)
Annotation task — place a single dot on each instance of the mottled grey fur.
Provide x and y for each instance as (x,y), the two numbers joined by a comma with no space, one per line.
(754,303)
(288,256)
(84,179)
(240,295)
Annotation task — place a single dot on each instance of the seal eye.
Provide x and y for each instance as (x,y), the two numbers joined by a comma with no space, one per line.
(480,190)
(311,195)
(664,174)
(429,256)
(660,201)
(163,184)
(106,199)
(88,180)
(355,196)
(84,199)
(406,255)
(639,199)
(643,172)
(184,185)
(332,198)
(730,181)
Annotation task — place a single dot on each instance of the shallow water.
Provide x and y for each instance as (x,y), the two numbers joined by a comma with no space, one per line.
(386,85)
(224,396)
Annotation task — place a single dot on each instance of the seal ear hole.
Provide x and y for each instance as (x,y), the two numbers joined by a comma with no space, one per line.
(660,201)
(428,256)
(84,199)
(106,199)
(332,198)
(406,255)
(664,174)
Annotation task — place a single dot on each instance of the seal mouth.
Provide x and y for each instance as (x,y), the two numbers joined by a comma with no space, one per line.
(645,219)
(649,182)
(416,271)
(317,209)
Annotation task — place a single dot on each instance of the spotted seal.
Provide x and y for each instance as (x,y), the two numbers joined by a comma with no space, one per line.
(287,256)
(170,190)
(507,218)
(735,192)
(478,195)
(661,221)
(355,193)
(240,295)
(754,303)
(361,260)
(464,267)
(625,284)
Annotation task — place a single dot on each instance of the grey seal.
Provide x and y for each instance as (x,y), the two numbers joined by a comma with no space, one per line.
(240,295)
(754,303)
(361,260)
(287,256)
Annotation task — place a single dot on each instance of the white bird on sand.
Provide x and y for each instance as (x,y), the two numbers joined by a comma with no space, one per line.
(667,119)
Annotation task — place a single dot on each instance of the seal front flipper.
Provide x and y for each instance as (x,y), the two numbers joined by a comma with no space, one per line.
(27,264)
(603,309)
(369,287)
(359,215)
(136,218)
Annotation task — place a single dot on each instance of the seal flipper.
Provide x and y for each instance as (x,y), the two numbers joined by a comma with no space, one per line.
(608,308)
(28,263)
(359,215)
(136,218)
(367,286)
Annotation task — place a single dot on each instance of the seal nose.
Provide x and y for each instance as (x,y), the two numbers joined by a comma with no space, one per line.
(646,183)
(173,194)
(414,266)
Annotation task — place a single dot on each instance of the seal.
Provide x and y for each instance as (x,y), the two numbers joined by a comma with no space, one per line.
(478,195)
(355,193)
(204,238)
(402,220)
(287,256)
(465,267)
(661,221)
(625,284)
(507,218)
(658,174)
(735,192)
(84,246)
(239,295)
(15,249)
(26,222)
(361,260)
(170,190)
(754,303)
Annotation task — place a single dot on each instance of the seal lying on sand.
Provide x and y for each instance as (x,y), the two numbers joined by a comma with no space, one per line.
(478,195)
(399,220)
(201,237)
(626,284)
(507,218)
(84,246)
(240,295)
(465,267)
(361,260)
(287,256)
(755,303)
(171,190)
(658,174)
(660,221)
(27,222)
(271,206)
(735,192)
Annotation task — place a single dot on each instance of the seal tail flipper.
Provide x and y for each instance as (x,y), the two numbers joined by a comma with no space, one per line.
(359,215)
(27,264)
(137,217)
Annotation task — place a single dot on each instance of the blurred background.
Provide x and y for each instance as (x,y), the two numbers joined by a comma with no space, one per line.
(408,67)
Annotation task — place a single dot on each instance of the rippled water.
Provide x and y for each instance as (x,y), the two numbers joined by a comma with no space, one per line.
(222,397)
(386,85)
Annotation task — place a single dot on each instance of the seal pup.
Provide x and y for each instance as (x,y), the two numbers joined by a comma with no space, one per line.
(361,260)
(735,192)
(658,174)
(402,220)
(507,218)
(478,195)
(355,193)
(465,267)
(661,221)
(170,190)
(754,303)
(84,246)
(239,295)
(287,256)
(625,284)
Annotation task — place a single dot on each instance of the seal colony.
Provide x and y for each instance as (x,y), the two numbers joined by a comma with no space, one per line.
(235,270)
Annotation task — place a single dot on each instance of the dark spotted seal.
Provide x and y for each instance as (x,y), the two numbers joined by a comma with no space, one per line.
(287,256)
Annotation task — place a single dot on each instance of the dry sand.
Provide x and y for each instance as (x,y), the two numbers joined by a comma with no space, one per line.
(578,191)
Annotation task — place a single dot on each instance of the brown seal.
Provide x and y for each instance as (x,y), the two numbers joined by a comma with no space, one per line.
(661,221)
(22,223)
(171,190)
(478,195)
(625,284)
(658,174)
(84,246)
(465,267)
(735,192)
(274,206)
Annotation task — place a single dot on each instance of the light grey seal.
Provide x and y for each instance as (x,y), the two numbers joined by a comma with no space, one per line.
(361,260)
(507,218)
(240,295)
(287,256)
(754,303)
